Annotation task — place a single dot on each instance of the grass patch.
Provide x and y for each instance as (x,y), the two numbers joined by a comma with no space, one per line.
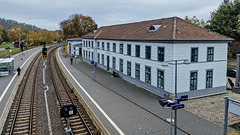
(6,52)
(6,45)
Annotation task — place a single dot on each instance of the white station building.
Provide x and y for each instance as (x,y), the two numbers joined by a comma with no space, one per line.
(74,47)
(139,51)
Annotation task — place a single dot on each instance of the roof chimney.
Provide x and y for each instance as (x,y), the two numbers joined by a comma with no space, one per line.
(95,27)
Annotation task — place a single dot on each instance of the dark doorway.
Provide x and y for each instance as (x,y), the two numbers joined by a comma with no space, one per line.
(107,62)
(80,52)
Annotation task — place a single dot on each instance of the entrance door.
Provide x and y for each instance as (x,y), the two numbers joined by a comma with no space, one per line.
(80,52)
(107,62)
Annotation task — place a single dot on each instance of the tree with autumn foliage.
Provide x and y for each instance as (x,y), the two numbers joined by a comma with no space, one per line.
(17,34)
(33,37)
(77,25)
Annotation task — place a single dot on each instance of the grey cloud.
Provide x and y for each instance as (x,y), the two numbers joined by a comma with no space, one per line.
(47,14)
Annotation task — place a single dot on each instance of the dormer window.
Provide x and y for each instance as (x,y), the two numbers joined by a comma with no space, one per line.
(154,28)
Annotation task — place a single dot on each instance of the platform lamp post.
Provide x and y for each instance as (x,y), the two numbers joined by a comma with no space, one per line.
(175,62)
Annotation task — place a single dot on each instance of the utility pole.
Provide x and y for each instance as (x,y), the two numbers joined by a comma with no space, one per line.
(94,53)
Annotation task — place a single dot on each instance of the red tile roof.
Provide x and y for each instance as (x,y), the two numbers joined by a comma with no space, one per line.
(173,28)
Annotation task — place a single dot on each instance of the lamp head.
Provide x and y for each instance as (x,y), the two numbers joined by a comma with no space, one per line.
(164,64)
(186,62)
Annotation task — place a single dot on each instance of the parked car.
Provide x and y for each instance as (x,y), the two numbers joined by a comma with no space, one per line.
(7,47)
(231,72)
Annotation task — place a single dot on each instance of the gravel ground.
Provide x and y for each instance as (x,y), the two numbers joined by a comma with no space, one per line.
(41,119)
(212,108)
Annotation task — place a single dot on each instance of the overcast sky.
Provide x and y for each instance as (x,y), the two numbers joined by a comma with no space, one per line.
(47,14)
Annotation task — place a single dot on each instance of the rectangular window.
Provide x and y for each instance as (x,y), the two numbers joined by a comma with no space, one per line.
(102,59)
(121,48)
(160,79)
(121,65)
(83,43)
(209,78)
(148,75)
(92,56)
(210,51)
(114,47)
(129,49)
(137,51)
(148,52)
(108,46)
(161,54)
(102,45)
(194,55)
(89,55)
(193,81)
(98,58)
(92,44)
(89,43)
(114,63)
(98,45)
(86,54)
(129,68)
(137,71)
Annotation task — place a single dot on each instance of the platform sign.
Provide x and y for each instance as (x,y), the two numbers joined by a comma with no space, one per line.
(44,57)
(178,106)
(234,107)
(183,98)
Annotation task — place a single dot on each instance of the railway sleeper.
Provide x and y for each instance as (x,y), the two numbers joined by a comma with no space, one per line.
(21,132)
(78,130)
(25,128)
(76,123)
(23,115)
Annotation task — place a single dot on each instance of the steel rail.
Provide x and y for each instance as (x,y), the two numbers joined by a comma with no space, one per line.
(23,84)
(61,79)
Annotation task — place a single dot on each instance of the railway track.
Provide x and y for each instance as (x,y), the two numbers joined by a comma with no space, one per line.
(23,114)
(80,123)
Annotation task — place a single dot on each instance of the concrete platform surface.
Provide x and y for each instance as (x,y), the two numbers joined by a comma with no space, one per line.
(9,84)
(124,108)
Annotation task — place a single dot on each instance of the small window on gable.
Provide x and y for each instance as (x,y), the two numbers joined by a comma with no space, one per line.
(154,28)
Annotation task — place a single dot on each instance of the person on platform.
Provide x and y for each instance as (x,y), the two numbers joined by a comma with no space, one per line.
(71,59)
(18,70)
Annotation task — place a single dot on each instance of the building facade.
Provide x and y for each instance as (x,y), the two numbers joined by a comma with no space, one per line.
(137,52)
(74,47)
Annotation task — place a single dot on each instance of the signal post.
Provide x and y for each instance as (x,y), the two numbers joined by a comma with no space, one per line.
(44,56)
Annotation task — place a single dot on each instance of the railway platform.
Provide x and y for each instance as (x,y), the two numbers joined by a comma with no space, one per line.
(124,108)
(9,84)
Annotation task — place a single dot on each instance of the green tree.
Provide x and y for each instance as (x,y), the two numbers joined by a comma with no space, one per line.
(225,20)
(77,25)
(5,35)
(196,21)
(1,33)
